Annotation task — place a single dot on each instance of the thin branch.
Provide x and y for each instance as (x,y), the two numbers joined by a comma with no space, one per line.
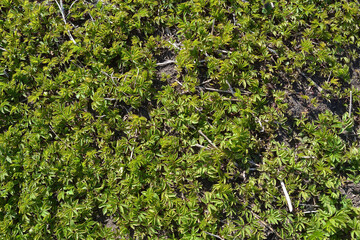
(262,127)
(61,8)
(132,153)
(175,45)
(307,77)
(199,146)
(222,91)
(167,62)
(309,205)
(71,7)
(110,76)
(5,73)
(207,139)
(262,222)
(310,212)
(232,99)
(214,90)
(207,81)
(223,51)
(265,224)
(286,196)
(231,89)
(178,82)
(51,128)
(213,235)
(329,75)
(137,75)
(92,19)
(272,50)
(253,163)
(212,27)
(205,53)
(3,49)
(350,106)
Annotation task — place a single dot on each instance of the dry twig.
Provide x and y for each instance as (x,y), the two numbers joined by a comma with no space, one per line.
(207,139)
(350,105)
(232,99)
(214,90)
(61,8)
(212,27)
(167,62)
(286,196)
(175,45)
(51,128)
(231,89)
(272,50)
(314,211)
(214,235)
(262,222)
(315,84)
(205,82)
(71,7)
(200,146)
(265,224)
(223,51)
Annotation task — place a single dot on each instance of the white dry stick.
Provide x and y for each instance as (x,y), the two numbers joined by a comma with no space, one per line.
(212,28)
(350,105)
(207,81)
(309,212)
(315,84)
(61,8)
(111,77)
(207,139)
(231,89)
(307,157)
(200,146)
(175,45)
(329,75)
(272,50)
(214,235)
(178,82)
(52,129)
(286,196)
(167,62)
(262,127)
(3,49)
(223,51)
(253,163)
(71,7)
(132,153)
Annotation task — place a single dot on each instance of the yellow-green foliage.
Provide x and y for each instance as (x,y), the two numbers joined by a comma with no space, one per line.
(101,138)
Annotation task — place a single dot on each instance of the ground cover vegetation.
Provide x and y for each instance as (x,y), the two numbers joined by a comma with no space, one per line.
(175,119)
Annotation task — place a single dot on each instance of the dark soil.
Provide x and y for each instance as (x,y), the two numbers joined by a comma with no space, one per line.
(167,74)
(352,191)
